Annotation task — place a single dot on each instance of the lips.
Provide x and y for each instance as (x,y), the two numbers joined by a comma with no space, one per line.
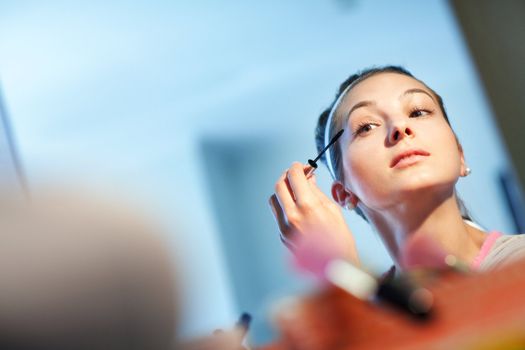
(408,157)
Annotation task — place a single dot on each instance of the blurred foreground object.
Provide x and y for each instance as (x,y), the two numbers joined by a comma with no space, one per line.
(472,311)
(78,273)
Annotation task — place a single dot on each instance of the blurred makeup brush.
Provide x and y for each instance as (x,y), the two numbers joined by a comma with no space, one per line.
(325,259)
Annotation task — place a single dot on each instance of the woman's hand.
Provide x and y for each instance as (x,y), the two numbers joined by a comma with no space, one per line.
(300,208)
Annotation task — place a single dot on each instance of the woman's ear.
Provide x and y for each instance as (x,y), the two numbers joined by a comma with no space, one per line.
(343,196)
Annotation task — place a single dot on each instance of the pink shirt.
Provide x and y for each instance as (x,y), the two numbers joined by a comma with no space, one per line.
(485,249)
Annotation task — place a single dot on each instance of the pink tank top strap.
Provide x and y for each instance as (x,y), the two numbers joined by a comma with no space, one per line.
(485,249)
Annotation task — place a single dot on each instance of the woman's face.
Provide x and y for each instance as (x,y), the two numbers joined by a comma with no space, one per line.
(397,141)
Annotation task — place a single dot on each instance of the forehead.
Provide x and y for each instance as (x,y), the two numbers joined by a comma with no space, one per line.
(382,86)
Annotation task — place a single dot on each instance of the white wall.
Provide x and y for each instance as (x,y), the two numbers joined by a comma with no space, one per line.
(124,94)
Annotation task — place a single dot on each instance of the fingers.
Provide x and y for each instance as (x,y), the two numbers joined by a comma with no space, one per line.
(288,243)
(295,190)
(319,194)
(297,202)
(299,183)
(277,211)
(309,171)
(282,222)
(294,185)
(284,194)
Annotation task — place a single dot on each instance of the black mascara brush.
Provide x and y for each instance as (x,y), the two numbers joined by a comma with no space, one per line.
(313,163)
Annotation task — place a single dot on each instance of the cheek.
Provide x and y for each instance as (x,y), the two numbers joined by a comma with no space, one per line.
(368,175)
(445,150)
(366,170)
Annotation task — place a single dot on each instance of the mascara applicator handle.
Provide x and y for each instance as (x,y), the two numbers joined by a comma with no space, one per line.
(313,166)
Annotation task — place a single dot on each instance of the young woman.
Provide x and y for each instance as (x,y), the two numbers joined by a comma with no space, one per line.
(396,164)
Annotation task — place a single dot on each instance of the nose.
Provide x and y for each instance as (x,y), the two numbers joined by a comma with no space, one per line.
(399,131)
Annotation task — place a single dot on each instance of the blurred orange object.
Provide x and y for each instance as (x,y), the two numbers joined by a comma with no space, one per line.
(471,311)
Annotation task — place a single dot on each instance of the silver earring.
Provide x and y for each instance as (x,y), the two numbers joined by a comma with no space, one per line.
(350,206)
(467,171)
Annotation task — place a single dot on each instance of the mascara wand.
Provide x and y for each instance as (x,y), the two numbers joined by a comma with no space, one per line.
(313,163)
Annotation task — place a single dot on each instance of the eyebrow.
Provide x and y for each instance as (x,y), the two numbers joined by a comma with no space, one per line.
(372,103)
(360,105)
(415,91)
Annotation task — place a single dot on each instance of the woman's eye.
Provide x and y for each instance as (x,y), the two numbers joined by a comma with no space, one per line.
(364,128)
(416,113)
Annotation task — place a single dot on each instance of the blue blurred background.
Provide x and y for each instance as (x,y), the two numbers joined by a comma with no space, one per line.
(197,107)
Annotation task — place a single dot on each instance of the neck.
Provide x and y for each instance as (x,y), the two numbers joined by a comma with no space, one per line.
(437,217)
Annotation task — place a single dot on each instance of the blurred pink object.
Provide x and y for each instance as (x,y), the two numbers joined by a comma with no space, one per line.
(313,252)
(422,251)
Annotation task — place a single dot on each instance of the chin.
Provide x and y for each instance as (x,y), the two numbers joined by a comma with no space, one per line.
(426,174)
(425,181)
